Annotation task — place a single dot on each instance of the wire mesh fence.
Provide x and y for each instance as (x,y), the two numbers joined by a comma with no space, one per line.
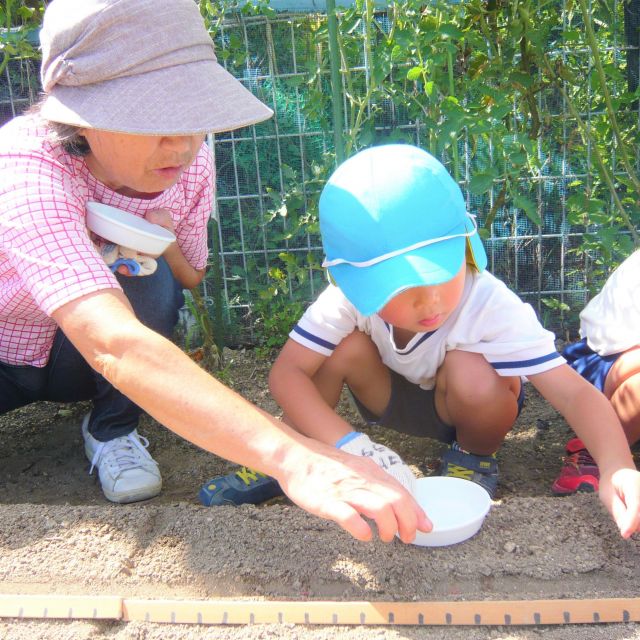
(19,85)
(531,242)
(538,260)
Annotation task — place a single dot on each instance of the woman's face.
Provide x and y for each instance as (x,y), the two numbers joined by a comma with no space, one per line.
(136,165)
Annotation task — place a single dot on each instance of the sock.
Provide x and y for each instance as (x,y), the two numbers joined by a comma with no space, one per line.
(456,447)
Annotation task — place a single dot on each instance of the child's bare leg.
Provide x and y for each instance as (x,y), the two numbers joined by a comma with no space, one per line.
(356,362)
(622,387)
(480,404)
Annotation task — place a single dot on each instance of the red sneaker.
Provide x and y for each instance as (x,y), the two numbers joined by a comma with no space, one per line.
(579,471)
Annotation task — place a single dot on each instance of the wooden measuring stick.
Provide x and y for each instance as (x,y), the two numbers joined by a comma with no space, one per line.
(219,612)
(483,612)
(57,606)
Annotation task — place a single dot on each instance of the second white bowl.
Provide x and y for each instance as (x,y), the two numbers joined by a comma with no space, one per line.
(127,230)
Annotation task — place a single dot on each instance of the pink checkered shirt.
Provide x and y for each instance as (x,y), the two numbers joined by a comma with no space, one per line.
(46,255)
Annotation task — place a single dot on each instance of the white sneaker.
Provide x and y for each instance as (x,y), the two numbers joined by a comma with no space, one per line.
(126,470)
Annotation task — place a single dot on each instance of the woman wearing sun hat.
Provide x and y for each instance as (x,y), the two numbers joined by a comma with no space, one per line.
(131,87)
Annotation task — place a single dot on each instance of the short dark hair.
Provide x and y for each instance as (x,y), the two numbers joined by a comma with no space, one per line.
(66,135)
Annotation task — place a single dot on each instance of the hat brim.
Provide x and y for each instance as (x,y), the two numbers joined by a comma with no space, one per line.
(188,99)
(371,288)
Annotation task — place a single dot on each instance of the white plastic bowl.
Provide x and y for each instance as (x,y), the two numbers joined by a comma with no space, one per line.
(456,507)
(127,230)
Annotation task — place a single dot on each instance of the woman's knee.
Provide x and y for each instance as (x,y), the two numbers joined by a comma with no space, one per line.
(20,385)
(156,299)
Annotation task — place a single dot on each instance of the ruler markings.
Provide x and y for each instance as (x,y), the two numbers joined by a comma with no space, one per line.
(476,613)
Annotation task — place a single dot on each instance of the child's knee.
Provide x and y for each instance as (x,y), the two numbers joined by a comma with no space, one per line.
(356,350)
(625,371)
(468,378)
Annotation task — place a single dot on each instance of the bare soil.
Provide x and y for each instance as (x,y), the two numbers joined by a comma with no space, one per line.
(59,535)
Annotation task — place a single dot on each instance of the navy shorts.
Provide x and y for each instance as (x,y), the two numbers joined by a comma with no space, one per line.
(588,363)
(412,410)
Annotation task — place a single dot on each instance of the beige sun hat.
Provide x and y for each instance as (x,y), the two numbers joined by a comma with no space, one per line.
(138,66)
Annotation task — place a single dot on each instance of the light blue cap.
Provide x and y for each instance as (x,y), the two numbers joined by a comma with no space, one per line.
(392,218)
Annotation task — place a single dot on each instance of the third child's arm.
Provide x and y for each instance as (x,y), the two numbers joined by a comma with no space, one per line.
(594,421)
(588,413)
(291,384)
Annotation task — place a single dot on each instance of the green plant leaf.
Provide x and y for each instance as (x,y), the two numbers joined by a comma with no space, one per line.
(415,73)
(481,182)
(529,207)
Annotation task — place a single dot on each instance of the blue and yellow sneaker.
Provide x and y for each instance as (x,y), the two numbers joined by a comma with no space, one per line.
(245,486)
(483,470)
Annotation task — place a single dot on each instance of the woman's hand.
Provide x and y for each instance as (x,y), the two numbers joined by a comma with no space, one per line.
(347,488)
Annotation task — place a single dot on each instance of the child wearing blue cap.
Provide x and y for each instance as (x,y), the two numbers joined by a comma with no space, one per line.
(428,342)
(608,356)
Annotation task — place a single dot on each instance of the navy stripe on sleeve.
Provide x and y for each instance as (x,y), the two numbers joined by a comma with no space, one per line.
(524,364)
(309,336)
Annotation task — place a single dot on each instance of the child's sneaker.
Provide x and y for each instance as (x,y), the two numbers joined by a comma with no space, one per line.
(579,471)
(483,470)
(245,486)
(126,470)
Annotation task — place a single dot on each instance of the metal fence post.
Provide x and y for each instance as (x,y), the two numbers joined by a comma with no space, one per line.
(336,81)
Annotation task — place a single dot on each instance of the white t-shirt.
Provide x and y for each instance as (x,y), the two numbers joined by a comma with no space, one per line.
(611,320)
(490,320)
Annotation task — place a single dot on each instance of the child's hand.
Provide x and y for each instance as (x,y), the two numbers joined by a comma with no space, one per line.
(360,444)
(620,493)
